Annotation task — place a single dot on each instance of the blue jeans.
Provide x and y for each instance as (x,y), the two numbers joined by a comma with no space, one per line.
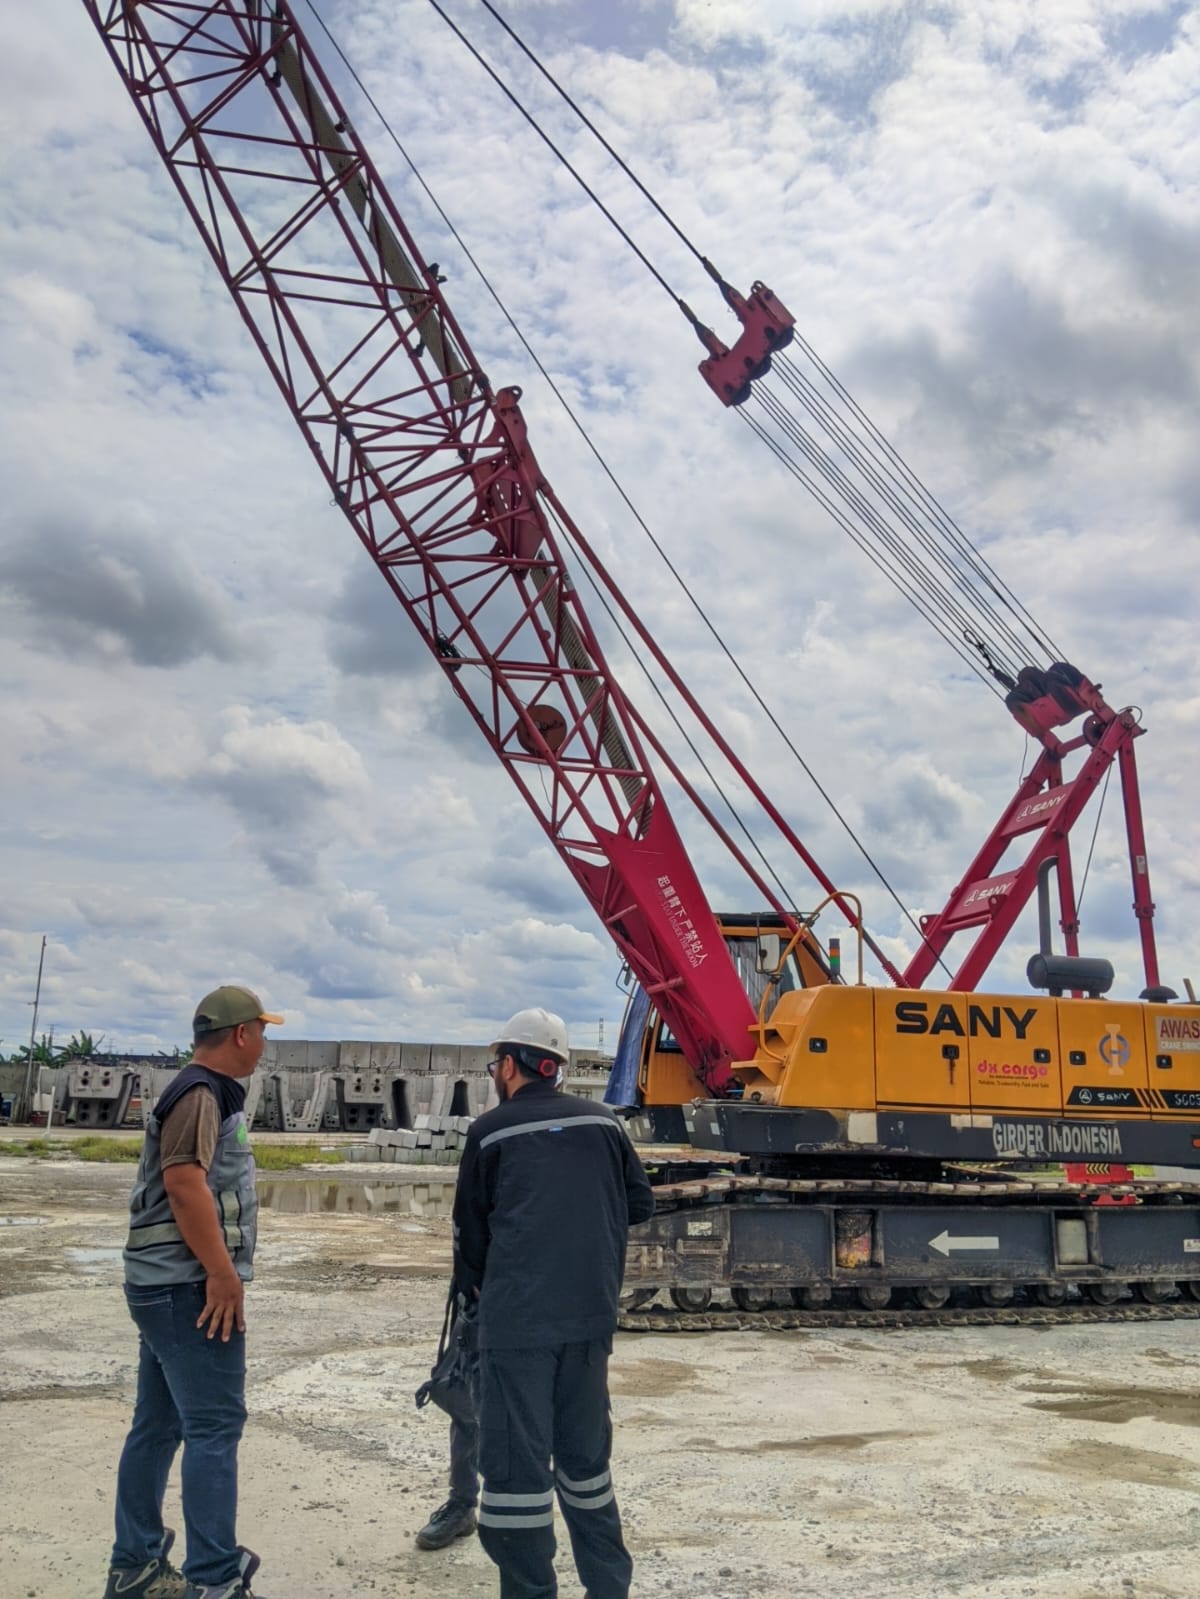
(190,1389)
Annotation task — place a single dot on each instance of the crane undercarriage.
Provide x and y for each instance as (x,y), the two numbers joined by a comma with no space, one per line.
(730,1248)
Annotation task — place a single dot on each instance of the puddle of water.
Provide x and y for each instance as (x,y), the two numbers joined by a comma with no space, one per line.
(312,1195)
(98,1255)
(23,1221)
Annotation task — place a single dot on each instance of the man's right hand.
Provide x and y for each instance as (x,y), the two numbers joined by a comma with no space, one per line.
(195,1215)
(224,1298)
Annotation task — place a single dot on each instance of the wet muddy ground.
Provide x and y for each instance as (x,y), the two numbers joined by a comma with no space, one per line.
(989,1461)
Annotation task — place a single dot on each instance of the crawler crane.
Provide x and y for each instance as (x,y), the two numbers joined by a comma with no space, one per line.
(847,1140)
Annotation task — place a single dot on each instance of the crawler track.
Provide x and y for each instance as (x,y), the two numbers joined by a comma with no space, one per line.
(656,1319)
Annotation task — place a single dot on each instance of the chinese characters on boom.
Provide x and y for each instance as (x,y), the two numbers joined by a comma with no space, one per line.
(681,924)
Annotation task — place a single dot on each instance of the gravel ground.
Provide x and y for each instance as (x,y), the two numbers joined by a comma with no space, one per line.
(996,1462)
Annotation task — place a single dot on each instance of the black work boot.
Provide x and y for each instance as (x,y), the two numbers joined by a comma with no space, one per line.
(157,1579)
(454,1519)
(237,1588)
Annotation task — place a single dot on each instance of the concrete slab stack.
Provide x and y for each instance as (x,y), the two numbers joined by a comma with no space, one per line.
(435,1140)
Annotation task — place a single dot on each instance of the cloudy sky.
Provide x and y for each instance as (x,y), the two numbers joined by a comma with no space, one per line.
(222,751)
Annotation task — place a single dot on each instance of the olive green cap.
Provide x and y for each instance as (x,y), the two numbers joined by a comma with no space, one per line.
(229,1006)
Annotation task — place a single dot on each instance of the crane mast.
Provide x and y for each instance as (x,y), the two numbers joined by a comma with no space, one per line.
(429,463)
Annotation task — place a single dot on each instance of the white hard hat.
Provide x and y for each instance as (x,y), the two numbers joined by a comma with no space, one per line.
(539,1030)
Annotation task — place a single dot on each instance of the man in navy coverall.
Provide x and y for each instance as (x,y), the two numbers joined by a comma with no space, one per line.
(548,1188)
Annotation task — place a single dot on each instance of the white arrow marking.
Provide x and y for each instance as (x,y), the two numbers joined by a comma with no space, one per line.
(943,1243)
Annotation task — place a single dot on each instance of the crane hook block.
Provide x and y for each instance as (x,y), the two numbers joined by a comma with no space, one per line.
(767,326)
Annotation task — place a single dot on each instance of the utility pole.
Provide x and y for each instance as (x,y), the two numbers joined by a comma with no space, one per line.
(37,998)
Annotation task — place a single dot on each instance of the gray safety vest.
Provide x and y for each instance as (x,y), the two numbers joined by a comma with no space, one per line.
(155,1251)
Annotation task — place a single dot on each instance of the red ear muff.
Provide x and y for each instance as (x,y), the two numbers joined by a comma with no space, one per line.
(548,1067)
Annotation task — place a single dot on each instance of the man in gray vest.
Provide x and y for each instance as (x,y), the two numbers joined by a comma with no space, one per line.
(188,1257)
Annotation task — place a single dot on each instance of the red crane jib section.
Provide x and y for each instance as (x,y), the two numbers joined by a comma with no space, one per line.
(1042,812)
(431,467)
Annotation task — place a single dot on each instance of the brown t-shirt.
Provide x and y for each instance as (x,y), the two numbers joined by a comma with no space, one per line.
(189,1134)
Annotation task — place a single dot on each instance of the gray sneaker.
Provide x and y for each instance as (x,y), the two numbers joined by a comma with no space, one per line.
(238,1588)
(454,1519)
(157,1579)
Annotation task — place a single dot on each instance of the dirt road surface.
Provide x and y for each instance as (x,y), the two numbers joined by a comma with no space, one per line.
(996,1462)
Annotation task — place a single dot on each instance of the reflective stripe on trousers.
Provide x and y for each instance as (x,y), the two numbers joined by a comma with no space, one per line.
(545,1432)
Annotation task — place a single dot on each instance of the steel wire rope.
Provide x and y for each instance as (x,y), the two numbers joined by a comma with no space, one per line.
(893,568)
(550,144)
(595,131)
(610,474)
(787,899)
(1095,832)
(908,916)
(894,494)
(871,523)
(952,532)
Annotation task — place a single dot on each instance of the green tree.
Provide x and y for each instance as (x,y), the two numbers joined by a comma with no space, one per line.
(82,1046)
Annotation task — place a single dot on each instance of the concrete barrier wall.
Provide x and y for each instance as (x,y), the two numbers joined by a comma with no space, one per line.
(306,1085)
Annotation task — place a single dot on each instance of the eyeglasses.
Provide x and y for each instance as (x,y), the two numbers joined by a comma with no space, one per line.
(491,1067)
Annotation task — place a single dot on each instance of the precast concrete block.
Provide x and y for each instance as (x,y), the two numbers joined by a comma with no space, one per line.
(270,1105)
(387,1058)
(441,1088)
(414,1059)
(424,1138)
(444,1059)
(254,1090)
(99,1095)
(473,1058)
(481,1096)
(302,1100)
(291,1055)
(354,1056)
(366,1099)
(152,1083)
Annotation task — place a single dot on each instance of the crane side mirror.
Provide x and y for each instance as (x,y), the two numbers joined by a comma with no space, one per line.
(770,952)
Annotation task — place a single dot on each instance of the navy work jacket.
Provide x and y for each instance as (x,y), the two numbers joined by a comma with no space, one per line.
(548,1188)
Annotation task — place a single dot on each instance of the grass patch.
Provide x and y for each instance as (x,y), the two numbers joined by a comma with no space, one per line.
(38,1148)
(285,1157)
(95,1147)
